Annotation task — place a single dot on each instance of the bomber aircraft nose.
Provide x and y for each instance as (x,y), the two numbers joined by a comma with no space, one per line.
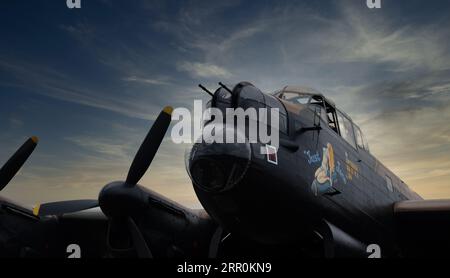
(218,166)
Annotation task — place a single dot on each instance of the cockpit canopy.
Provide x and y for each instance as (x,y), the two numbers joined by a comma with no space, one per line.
(337,120)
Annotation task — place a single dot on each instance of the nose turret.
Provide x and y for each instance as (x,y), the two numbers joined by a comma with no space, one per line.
(219,166)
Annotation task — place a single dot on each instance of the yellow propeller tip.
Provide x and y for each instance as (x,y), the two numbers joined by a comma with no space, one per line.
(168,110)
(35,139)
(36,209)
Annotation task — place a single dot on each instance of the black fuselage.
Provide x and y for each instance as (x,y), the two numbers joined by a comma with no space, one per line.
(318,177)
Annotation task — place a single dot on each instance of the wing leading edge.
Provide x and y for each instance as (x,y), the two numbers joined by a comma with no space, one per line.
(423,227)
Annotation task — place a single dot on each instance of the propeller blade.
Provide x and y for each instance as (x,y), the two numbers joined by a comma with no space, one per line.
(149,147)
(13,165)
(59,208)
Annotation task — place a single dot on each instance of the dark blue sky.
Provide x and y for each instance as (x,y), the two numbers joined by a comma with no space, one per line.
(89,82)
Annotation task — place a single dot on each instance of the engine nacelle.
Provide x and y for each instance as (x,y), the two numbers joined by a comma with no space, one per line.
(338,244)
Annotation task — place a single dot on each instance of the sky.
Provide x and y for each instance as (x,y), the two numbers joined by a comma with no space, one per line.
(89,82)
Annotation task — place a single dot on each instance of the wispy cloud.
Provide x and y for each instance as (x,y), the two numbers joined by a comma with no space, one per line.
(15,122)
(366,38)
(153,81)
(50,82)
(103,146)
(199,70)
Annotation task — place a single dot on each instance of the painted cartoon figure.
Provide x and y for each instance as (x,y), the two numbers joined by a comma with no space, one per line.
(325,176)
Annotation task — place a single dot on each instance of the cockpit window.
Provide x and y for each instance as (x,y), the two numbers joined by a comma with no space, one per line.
(346,129)
(360,140)
(295,98)
(320,112)
(366,145)
(317,104)
(331,117)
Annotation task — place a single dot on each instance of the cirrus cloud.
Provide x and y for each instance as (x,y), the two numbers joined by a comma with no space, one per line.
(203,70)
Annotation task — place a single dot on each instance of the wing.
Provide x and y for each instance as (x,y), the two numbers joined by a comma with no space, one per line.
(24,234)
(20,232)
(169,229)
(423,227)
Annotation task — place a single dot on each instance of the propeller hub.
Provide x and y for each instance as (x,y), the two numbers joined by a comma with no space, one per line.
(119,199)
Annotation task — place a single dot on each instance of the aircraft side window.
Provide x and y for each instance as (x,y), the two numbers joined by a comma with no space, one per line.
(318,100)
(389,184)
(331,118)
(359,137)
(319,111)
(332,124)
(323,115)
(366,145)
(318,106)
(296,98)
(346,129)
